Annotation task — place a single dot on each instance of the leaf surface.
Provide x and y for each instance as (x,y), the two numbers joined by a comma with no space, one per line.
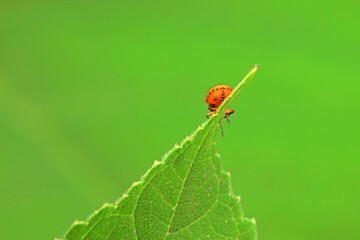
(185,196)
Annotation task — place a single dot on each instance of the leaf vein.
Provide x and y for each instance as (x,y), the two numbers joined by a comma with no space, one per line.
(185,179)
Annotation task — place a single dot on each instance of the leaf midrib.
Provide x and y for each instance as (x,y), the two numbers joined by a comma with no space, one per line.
(133,215)
(186,147)
(185,179)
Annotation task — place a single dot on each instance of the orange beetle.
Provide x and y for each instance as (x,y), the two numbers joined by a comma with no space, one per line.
(215,97)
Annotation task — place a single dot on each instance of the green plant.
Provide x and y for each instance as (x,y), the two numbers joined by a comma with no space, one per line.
(185,196)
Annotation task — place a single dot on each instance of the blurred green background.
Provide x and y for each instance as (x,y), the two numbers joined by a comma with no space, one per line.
(92,92)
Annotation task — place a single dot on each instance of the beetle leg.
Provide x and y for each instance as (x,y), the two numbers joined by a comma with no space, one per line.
(209,114)
(228,113)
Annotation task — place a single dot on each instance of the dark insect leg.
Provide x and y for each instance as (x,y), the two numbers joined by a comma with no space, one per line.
(227,117)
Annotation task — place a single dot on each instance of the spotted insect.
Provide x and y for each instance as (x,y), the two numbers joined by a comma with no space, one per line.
(215,97)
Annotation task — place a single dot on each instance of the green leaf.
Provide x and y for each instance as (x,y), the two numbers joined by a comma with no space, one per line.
(185,196)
